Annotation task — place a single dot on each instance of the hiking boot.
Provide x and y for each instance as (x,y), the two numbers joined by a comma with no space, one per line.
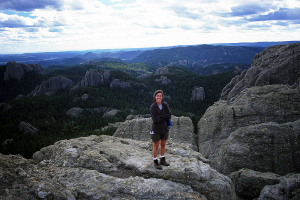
(157,165)
(164,162)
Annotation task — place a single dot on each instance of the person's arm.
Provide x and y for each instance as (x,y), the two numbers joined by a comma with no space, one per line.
(156,117)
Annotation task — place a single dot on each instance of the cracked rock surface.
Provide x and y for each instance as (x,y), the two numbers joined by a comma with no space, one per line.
(106,167)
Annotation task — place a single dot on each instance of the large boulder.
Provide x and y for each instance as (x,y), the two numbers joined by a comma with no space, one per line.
(220,126)
(16,70)
(249,183)
(182,130)
(106,166)
(275,65)
(137,129)
(51,86)
(263,147)
(287,188)
(252,102)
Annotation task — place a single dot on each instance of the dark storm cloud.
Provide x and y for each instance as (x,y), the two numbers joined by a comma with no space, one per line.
(29,5)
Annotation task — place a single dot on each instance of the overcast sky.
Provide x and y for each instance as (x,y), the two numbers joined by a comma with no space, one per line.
(61,25)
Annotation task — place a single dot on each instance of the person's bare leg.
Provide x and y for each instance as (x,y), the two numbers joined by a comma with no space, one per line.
(155,149)
(163,147)
(155,155)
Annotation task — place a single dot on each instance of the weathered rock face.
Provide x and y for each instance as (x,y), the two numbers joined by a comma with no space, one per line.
(288,188)
(17,70)
(22,179)
(267,147)
(262,186)
(93,78)
(104,166)
(106,112)
(163,80)
(249,183)
(198,94)
(162,70)
(256,105)
(237,132)
(182,130)
(116,83)
(275,65)
(27,128)
(51,86)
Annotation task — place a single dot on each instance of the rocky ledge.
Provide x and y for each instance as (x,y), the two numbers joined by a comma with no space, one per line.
(182,130)
(107,167)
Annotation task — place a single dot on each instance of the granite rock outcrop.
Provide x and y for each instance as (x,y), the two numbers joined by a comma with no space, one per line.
(111,113)
(163,80)
(94,77)
(249,183)
(27,128)
(116,83)
(102,166)
(287,188)
(74,112)
(268,147)
(52,85)
(162,71)
(198,94)
(16,70)
(255,124)
(182,130)
(275,65)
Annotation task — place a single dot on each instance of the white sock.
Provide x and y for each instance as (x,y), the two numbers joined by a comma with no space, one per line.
(162,156)
(155,158)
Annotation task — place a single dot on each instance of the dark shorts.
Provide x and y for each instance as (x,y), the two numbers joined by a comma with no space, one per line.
(159,136)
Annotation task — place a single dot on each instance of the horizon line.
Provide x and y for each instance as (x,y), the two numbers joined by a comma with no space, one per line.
(152,48)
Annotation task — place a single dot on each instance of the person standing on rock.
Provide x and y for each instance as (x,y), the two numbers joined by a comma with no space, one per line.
(160,113)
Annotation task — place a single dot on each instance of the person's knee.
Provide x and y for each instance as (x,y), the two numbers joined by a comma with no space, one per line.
(156,144)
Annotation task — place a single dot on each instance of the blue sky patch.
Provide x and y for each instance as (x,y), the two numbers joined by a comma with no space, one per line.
(23,14)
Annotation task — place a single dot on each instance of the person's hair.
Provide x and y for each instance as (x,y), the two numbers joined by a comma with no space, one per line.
(158,91)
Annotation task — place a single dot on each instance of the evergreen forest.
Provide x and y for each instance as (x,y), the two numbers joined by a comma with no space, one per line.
(48,112)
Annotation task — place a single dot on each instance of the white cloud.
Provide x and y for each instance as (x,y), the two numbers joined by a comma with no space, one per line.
(91,24)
